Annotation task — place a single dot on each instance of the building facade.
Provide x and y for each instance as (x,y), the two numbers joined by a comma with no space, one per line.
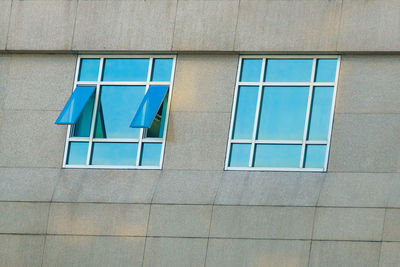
(195,208)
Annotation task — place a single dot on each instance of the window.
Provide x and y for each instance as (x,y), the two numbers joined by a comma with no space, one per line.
(282,113)
(118,112)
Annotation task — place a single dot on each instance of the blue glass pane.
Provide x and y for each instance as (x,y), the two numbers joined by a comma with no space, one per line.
(77,153)
(149,106)
(245,112)
(82,126)
(240,155)
(151,153)
(162,68)
(75,105)
(251,70)
(157,127)
(315,156)
(114,154)
(288,70)
(326,70)
(117,106)
(125,69)
(283,113)
(277,156)
(89,69)
(320,113)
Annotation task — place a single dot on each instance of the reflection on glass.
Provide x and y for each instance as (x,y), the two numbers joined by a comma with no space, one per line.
(125,69)
(245,112)
(114,154)
(288,70)
(315,156)
(89,69)
(277,156)
(151,153)
(251,70)
(162,68)
(77,153)
(149,106)
(75,105)
(116,108)
(240,155)
(320,113)
(326,70)
(82,126)
(156,129)
(283,113)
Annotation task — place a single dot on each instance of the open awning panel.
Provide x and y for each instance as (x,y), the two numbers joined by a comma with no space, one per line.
(148,108)
(75,105)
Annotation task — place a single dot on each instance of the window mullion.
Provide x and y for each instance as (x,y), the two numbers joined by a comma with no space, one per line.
(306,124)
(138,156)
(260,90)
(94,114)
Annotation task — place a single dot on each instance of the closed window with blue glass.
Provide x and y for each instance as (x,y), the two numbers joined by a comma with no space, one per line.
(117,115)
(283,113)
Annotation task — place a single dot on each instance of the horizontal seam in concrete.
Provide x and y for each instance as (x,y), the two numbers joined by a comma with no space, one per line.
(198,204)
(203,237)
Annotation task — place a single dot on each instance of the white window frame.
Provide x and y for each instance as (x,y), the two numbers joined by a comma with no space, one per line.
(302,142)
(139,140)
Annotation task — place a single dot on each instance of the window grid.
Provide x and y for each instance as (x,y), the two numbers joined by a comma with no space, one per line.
(141,138)
(304,142)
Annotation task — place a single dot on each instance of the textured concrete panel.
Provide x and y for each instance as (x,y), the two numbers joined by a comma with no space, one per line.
(391,230)
(204,83)
(369,84)
(394,196)
(42,25)
(205,25)
(196,141)
(348,224)
(175,252)
(125,25)
(257,253)
(356,189)
(21,250)
(187,187)
(39,82)
(390,256)
(27,184)
(179,220)
(4,76)
(5,8)
(31,139)
(93,251)
(117,186)
(370,25)
(360,145)
(21,217)
(98,219)
(270,188)
(262,222)
(287,25)
(340,254)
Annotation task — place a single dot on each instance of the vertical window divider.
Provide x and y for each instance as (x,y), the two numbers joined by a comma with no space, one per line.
(149,72)
(310,95)
(328,146)
(94,113)
(164,138)
(259,97)
(235,96)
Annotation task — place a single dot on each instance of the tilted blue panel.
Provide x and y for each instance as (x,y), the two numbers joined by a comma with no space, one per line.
(75,105)
(149,106)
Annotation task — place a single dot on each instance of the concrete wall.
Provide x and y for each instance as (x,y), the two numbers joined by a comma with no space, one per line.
(192,213)
(200,25)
